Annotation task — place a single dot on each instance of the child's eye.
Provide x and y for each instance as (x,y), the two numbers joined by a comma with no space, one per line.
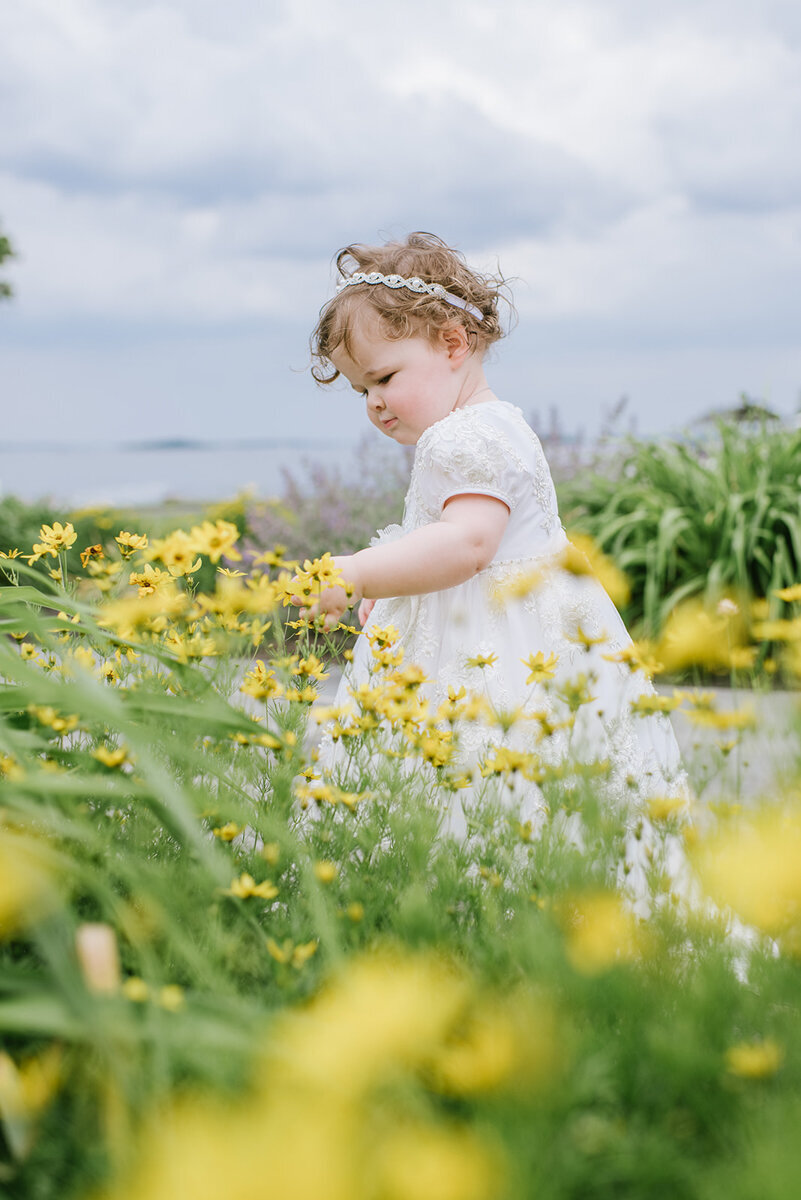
(386,378)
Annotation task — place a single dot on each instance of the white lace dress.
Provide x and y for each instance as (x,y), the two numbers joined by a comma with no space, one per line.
(489,449)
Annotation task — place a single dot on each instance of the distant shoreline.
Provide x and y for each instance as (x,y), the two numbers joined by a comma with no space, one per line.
(171,445)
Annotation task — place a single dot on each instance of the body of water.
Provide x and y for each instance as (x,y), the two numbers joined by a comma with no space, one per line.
(85,476)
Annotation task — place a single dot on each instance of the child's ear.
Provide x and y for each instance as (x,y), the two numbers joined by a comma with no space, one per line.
(455,339)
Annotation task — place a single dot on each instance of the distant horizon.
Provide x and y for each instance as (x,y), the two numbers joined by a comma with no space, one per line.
(633,169)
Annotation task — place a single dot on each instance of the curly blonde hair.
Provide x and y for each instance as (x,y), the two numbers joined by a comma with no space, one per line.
(403,313)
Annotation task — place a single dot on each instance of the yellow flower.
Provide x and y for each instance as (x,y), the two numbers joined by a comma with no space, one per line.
(754,1060)
(150,580)
(26,1090)
(326,871)
(427,1162)
(57,537)
(637,656)
(646,705)
(171,997)
(582,557)
(227,833)
(245,886)
(111,758)
(481,661)
(179,553)
(382,637)
(505,761)
(216,540)
(129,543)
(541,668)
(694,635)
(287,952)
(733,718)
(26,890)
(261,683)
(742,658)
(355,911)
(600,932)
(91,552)
(272,558)
(50,717)
(576,692)
(753,866)
(588,639)
(310,667)
(789,594)
(662,808)
(778,631)
(135,989)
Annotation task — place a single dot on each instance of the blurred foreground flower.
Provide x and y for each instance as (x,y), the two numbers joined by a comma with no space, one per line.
(340,1111)
(26,884)
(696,635)
(753,866)
(600,932)
(754,1060)
(582,557)
(26,1089)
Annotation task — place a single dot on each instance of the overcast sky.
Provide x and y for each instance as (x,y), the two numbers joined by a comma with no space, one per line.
(177,176)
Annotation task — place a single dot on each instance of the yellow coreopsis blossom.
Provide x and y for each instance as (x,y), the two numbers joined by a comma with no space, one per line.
(646,705)
(753,866)
(733,718)
(310,668)
(245,886)
(582,557)
(215,540)
(26,888)
(600,932)
(778,630)
(111,758)
(789,594)
(504,761)
(638,656)
(326,871)
(178,552)
(227,832)
(57,537)
(150,580)
(26,1090)
(576,692)
(754,1060)
(540,667)
(694,635)
(480,661)
(129,543)
(289,953)
(47,715)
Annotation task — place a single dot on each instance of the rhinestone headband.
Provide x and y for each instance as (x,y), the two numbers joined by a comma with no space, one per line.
(414,284)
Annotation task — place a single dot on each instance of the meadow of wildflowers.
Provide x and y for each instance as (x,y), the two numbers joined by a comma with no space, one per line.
(225,974)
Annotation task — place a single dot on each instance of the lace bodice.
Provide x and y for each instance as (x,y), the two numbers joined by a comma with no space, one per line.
(486,449)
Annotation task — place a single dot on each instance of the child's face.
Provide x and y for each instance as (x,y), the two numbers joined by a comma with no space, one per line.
(408,384)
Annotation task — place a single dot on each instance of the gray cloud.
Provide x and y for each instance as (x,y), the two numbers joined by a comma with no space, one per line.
(185,168)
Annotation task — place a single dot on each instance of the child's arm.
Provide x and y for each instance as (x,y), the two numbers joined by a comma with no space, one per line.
(441,555)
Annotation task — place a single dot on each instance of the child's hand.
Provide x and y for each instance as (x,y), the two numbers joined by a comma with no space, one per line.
(332,602)
(365,608)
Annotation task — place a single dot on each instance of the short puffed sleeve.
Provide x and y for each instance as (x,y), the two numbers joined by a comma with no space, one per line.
(466,453)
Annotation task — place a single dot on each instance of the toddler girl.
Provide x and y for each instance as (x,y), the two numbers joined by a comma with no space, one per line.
(473,579)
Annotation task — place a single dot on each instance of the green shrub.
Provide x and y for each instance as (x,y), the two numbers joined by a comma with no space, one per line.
(682,519)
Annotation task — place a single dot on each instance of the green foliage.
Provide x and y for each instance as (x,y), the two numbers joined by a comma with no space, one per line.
(700,518)
(6,251)
(620,1086)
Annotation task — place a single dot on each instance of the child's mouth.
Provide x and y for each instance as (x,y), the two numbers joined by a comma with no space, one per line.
(388,424)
